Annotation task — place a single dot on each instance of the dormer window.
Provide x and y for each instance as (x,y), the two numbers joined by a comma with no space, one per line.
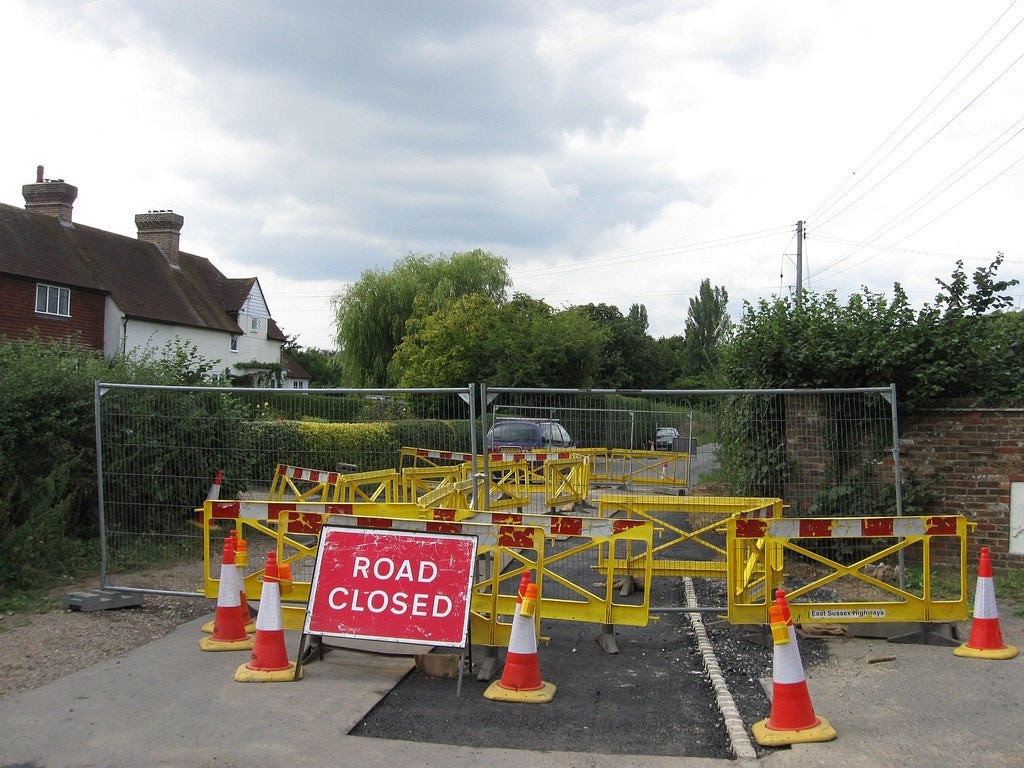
(254,325)
(53,300)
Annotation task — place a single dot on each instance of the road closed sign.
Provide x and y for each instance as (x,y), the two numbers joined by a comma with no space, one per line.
(404,587)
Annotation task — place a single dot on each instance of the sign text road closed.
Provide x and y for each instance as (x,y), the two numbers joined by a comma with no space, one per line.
(389,585)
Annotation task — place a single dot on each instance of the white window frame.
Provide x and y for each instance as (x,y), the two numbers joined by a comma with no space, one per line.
(55,300)
(254,325)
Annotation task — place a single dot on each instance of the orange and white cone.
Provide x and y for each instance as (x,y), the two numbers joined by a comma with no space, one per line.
(520,679)
(212,495)
(986,640)
(269,662)
(240,547)
(792,719)
(228,624)
(241,562)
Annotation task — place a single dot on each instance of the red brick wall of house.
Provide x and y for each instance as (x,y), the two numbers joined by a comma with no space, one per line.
(18,319)
(969,457)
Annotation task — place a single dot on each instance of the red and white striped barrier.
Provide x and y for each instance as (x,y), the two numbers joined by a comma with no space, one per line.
(309,475)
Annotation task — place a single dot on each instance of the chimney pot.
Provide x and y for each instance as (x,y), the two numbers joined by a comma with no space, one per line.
(163,229)
(50,198)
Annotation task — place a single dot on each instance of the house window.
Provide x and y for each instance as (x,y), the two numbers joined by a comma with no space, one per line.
(52,300)
(234,342)
(254,324)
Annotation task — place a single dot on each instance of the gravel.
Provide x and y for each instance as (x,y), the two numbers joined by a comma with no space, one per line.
(37,648)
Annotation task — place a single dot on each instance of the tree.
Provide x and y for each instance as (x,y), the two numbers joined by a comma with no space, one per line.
(628,356)
(522,342)
(371,315)
(962,346)
(708,329)
(324,365)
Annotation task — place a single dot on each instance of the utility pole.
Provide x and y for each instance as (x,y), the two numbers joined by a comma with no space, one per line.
(799,262)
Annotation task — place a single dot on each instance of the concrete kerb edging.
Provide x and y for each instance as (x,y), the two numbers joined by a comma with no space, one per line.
(742,747)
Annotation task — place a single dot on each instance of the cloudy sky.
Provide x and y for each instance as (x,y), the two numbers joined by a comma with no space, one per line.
(612,151)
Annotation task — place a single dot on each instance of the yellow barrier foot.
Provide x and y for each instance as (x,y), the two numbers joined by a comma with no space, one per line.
(209,644)
(245,675)
(1006,652)
(542,695)
(768,737)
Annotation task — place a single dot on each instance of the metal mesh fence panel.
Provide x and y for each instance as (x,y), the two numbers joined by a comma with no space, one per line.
(683,459)
(160,449)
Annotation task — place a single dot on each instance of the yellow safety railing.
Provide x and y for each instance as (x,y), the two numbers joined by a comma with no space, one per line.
(599,465)
(509,484)
(688,526)
(303,484)
(566,481)
(564,551)
(870,588)
(383,485)
(417,481)
(650,467)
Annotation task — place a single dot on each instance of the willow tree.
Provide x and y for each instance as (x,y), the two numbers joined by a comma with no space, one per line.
(372,313)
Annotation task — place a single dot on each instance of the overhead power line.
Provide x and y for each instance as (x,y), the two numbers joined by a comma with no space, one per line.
(677,250)
(832,200)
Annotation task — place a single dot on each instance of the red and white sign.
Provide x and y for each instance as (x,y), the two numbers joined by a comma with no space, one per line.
(392,585)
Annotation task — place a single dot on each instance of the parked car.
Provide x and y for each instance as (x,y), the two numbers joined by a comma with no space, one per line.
(522,434)
(663,438)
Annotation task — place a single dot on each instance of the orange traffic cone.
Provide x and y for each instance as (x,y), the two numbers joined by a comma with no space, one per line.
(241,549)
(228,624)
(269,662)
(792,717)
(214,492)
(986,641)
(241,562)
(520,679)
(212,495)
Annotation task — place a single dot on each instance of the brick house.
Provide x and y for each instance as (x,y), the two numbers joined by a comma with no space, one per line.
(62,280)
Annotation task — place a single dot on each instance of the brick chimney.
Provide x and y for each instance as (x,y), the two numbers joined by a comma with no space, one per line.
(163,229)
(50,197)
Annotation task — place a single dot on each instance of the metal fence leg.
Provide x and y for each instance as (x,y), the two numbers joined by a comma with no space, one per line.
(607,638)
(489,666)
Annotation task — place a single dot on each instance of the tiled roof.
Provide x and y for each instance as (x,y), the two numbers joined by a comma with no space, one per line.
(292,368)
(136,274)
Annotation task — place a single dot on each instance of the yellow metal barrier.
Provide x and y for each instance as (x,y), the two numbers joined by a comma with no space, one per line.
(874,589)
(692,525)
(454,494)
(509,484)
(650,467)
(566,481)
(428,457)
(316,483)
(380,486)
(600,463)
(565,552)
(417,481)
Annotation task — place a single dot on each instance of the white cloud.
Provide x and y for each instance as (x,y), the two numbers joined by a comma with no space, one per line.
(614,152)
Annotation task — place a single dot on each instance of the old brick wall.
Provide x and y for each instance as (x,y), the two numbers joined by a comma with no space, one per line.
(18,319)
(969,456)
